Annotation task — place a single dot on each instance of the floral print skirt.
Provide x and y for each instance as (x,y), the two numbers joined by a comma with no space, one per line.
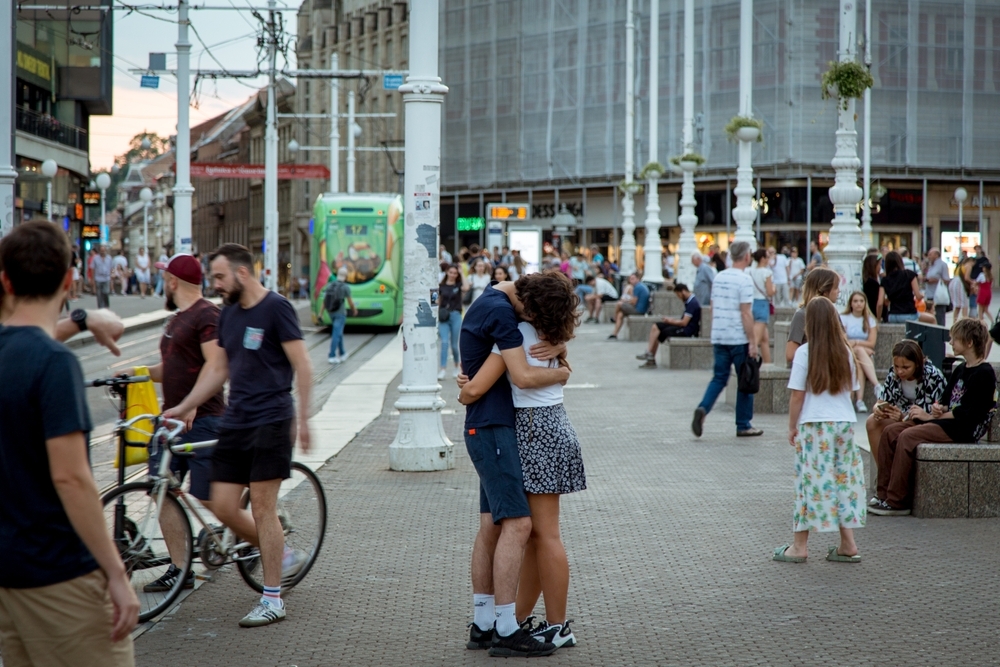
(829,478)
(551,461)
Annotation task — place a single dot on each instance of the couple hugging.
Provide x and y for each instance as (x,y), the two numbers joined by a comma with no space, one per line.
(513,347)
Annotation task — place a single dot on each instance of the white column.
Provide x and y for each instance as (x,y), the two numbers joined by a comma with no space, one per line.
(626,260)
(866,209)
(334,126)
(48,198)
(8,174)
(743,214)
(845,251)
(104,216)
(351,158)
(652,248)
(421,443)
(271,164)
(183,191)
(687,219)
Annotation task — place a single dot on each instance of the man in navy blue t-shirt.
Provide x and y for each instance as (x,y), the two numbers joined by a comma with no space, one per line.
(687,326)
(259,330)
(505,519)
(64,590)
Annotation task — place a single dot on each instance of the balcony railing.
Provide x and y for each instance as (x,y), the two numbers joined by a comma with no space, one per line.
(47,127)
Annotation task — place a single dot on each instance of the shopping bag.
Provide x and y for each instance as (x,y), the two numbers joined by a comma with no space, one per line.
(140,400)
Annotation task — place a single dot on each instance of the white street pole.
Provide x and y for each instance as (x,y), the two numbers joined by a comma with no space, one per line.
(334,125)
(8,174)
(845,251)
(271,162)
(351,159)
(145,226)
(961,194)
(49,170)
(48,197)
(866,201)
(421,443)
(626,259)
(104,182)
(743,214)
(687,219)
(183,191)
(652,248)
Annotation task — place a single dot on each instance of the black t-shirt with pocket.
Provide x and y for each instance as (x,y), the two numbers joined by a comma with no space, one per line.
(41,398)
(260,375)
(899,292)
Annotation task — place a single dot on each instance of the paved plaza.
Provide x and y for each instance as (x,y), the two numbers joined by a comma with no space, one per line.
(669,549)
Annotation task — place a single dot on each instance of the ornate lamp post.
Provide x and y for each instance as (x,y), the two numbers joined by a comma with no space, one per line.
(146,195)
(960,196)
(104,182)
(652,248)
(49,171)
(845,251)
(626,259)
(744,214)
(687,220)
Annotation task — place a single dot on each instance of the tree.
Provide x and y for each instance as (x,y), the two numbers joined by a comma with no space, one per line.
(136,152)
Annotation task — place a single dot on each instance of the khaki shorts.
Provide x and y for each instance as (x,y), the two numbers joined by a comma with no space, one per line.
(62,625)
(628,308)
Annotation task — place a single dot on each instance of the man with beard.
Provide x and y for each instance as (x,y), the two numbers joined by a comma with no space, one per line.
(263,348)
(189,343)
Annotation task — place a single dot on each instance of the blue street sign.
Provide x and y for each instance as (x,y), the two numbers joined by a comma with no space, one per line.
(392,81)
(149,82)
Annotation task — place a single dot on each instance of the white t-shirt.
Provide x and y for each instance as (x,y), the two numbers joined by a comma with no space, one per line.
(142,262)
(780,270)
(854,326)
(479,284)
(604,287)
(981,278)
(909,388)
(759,277)
(538,397)
(825,407)
(731,288)
(796,266)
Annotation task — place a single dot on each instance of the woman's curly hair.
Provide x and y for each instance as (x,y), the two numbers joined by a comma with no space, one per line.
(550,304)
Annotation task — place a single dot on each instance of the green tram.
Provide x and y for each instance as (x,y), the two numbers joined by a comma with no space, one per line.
(364,233)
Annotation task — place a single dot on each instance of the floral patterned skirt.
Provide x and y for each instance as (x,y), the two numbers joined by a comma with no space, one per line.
(551,461)
(830,478)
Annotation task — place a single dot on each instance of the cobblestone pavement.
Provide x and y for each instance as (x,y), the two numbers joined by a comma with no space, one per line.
(669,548)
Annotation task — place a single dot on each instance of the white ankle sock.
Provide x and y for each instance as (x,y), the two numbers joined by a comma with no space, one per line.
(272,596)
(485,615)
(506,622)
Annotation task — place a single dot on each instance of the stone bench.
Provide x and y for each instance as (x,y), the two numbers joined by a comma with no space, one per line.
(957,481)
(686,354)
(773,395)
(888,336)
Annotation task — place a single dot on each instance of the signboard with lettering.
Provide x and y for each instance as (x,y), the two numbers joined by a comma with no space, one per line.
(392,81)
(148,81)
(470,224)
(92,198)
(285,171)
(34,66)
(511,212)
(91,232)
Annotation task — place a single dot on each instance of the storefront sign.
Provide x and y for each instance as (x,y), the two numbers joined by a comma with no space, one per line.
(34,66)
(507,212)
(550,210)
(91,232)
(470,224)
(92,198)
(285,171)
(988,201)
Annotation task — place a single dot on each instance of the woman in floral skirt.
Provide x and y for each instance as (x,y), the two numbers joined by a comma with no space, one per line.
(830,479)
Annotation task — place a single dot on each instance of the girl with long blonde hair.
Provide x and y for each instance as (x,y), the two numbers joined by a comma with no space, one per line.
(830,478)
(861,328)
(821,281)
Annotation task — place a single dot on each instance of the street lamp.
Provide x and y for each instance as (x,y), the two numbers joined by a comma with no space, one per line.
(49,170)
(293,146)
(146,195)
(104,182)
(960,196)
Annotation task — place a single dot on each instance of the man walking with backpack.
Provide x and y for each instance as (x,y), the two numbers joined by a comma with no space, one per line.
(337,292)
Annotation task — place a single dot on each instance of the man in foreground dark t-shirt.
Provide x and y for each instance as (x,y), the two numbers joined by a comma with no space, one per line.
(63,587)
(505,519)
(188,344)
(259,332)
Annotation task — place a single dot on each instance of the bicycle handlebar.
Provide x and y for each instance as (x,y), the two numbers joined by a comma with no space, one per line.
(118,380)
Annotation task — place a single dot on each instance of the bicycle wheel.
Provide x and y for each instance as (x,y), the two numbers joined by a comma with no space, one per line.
(302,511)
(138,530)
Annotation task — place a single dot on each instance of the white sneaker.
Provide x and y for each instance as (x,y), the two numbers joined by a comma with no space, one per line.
(332,360)
(291,565)
(441,374)
(558,634)
(860,406)
(262,614)
(454,373)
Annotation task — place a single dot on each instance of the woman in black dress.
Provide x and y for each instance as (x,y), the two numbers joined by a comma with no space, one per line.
(900,290)
(870,269)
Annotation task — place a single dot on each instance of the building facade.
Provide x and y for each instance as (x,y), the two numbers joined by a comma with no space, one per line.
(63,73)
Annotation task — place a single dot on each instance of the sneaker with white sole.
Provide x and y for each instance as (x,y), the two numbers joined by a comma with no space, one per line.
(441,374)
(885,509)
(291,565)
(558,634)
(860,406)
(262,614)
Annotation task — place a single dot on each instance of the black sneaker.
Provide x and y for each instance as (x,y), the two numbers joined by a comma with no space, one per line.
(168,581)
(558,634)
(479,639)
(528,625)
(885,509)
(520,645)
(645,356)
(699,419)
(650,363)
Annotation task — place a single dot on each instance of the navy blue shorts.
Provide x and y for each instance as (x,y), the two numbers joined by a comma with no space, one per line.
(493,450)
(198,462)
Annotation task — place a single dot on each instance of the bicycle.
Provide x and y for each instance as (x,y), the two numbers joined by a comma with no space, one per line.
(140,514)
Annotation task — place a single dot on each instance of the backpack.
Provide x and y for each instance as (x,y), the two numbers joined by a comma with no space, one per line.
(333,299)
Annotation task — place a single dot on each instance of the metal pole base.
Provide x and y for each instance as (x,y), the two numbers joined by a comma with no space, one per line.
(421,444)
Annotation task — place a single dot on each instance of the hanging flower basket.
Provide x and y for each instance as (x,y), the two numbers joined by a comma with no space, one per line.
(629,187)
(846,81)
(695,158)
(653,170)
(745,128)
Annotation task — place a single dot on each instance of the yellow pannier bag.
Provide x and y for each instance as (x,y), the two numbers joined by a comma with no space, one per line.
(141,400)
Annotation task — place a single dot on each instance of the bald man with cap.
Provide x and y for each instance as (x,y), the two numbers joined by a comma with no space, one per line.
(189,342)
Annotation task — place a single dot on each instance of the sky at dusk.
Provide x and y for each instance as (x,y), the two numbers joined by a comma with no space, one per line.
(230,36)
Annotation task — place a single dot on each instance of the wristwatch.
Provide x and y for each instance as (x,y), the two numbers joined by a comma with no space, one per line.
(79,317)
